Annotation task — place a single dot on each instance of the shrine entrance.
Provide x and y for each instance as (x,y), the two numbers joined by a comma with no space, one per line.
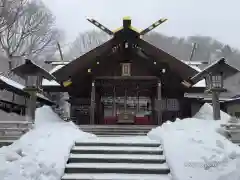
(126,80)
(127,100)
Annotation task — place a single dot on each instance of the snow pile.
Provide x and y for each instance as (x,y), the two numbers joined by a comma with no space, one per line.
(41,154)
(206,112)
(195,151)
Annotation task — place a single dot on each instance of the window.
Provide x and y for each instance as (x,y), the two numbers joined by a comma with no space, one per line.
(217,81)
(126,69)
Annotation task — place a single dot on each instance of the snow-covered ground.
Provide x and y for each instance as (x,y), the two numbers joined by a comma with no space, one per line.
(41,154)
(196,149)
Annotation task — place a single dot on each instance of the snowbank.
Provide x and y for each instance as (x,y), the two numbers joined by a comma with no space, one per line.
(194,150)
(206,112)
(41,154)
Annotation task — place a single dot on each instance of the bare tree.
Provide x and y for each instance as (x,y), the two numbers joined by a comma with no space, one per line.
(28,32)
(85,42)
(9,12)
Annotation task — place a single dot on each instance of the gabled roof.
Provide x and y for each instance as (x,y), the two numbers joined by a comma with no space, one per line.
(133,37)
(83,61)
(220,66)
(181,68)
(29,68)
(90,58)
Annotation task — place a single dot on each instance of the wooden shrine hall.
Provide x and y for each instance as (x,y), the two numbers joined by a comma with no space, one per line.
(127,80)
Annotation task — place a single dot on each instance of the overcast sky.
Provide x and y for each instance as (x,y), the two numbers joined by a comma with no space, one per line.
(217,18)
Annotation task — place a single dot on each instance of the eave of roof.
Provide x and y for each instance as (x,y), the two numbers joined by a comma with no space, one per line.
(13,86)
(83,61)
(184,70)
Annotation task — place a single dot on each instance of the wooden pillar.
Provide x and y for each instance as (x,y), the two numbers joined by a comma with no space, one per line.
(138,109)
(31,106)
(159,98)
(153,108)
(216,105)
(125,101)
(97,108)
(92,105)
(114,101)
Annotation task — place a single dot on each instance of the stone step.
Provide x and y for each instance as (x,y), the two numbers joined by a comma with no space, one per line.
(8,137)
(114,176)
(116,129)
(5,142)
(117,133)
(116,158)
(108,143)
(118,126)
(128,168)
(116,150)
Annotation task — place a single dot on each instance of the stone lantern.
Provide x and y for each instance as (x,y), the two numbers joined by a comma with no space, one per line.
(33,75)
(214,76)
(214,82)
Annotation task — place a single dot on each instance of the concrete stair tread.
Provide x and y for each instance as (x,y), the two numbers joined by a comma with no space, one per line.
(115,129)
(118,156)
(107,143)
(9,137)
(112,176)
(118,166)
(6,141)
(117,126)
(118,140)
(117,133)
(120,148)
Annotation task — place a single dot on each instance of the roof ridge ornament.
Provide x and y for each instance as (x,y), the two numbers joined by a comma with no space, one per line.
(127,24)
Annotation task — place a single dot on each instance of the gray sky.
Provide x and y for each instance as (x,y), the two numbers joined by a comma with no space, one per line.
(217,18)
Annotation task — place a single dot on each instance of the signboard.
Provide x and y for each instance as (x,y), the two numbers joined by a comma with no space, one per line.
(126,69)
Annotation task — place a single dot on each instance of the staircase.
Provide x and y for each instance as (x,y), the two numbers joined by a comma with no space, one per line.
(122,158)
(11,131)
(233,130)
(117,130)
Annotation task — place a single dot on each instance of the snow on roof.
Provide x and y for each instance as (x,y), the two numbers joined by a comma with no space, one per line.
(59,62)
(201,83)
(19,86)
(56,68)
(46,82)
(194,62)
(12,83)
(193,65)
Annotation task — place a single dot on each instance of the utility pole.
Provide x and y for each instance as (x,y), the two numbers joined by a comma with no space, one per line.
(192,52)
(60,51)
